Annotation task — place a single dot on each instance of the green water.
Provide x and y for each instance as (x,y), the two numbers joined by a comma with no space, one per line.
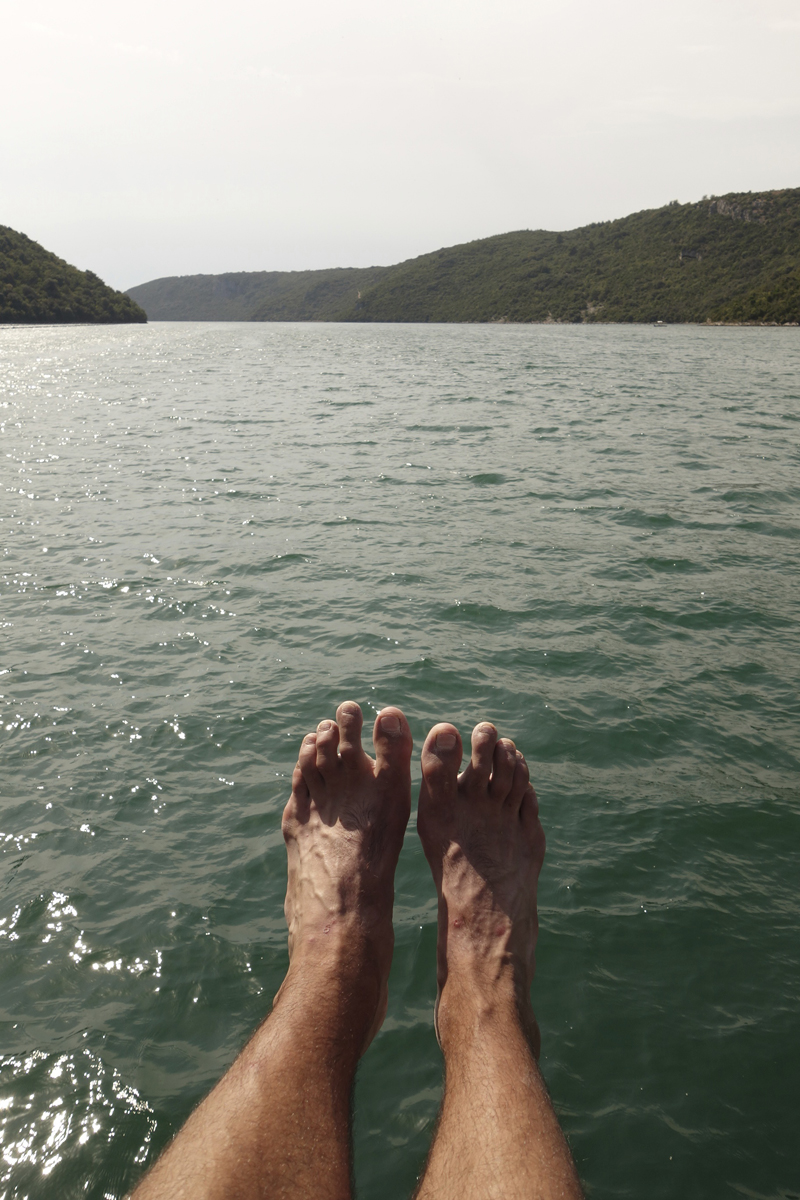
(212,534)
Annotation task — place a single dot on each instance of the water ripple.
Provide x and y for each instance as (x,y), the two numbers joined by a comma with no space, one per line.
(213,534)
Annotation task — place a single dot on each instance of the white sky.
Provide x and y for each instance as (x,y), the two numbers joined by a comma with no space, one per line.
(165,137)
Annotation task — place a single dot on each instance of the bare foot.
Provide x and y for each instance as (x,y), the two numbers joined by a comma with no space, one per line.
(343,827)
(481,835)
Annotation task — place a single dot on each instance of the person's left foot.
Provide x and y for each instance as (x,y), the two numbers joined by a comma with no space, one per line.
(343,827)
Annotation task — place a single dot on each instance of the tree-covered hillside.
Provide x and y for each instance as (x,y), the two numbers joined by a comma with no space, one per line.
(256,295)
(38,288)
(732,258)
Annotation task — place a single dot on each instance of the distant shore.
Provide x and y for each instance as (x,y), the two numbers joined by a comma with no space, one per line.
(728,260)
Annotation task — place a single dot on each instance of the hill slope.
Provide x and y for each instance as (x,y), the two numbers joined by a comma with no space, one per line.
(256,295)
(733,258)
(37,287)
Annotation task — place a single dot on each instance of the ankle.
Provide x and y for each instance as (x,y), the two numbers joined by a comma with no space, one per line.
(338,955)
(343,944)
(333,998)
(338,976)
(476,1005)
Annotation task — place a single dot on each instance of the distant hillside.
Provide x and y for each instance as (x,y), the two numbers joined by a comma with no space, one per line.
(256,295)
(733,258)
(37,288)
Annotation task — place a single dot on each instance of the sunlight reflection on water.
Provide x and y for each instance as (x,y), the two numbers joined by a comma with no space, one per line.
(590,536)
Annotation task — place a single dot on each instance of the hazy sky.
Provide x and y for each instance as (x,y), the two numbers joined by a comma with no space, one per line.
(165,137)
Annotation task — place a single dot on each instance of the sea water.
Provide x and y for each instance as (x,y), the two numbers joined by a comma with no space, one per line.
(213,534)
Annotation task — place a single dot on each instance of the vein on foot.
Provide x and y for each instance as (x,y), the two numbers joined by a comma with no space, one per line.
(482,837)
(344,826)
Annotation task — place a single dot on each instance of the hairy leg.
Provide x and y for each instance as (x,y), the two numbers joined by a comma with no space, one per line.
(498,1135)
(278,1124)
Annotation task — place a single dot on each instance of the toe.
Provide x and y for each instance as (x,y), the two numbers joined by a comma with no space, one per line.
(327,747)
(307,763)
(300,789)
(530,803)
(350,720)
(441,759)
(392,739)
(296,810)
(479,767)
(529,815)
(504,763)
(519,782)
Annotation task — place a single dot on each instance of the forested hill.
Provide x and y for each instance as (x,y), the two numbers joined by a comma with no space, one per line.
(733,258)
(257,295)
(37,288)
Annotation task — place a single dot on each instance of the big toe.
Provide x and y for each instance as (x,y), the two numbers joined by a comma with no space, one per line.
(392,739)
(441,759)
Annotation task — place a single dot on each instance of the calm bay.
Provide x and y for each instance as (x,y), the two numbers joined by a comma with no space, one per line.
(213,534)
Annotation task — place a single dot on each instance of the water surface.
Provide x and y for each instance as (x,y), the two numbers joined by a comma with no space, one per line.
(212,534)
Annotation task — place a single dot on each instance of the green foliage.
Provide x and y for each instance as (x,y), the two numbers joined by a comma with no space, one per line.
(733,258)
(256,295)
(38,288)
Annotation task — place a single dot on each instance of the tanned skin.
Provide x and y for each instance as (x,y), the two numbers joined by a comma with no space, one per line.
(278,1124)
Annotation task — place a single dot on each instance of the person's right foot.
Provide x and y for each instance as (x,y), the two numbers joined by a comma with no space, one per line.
(483,840)
(344,826)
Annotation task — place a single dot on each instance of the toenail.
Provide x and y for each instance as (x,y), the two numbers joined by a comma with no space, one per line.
(445,741)
(390,723)
(325,725)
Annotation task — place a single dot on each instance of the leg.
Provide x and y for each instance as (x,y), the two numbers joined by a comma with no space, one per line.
(278,1123)
(498,1136)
